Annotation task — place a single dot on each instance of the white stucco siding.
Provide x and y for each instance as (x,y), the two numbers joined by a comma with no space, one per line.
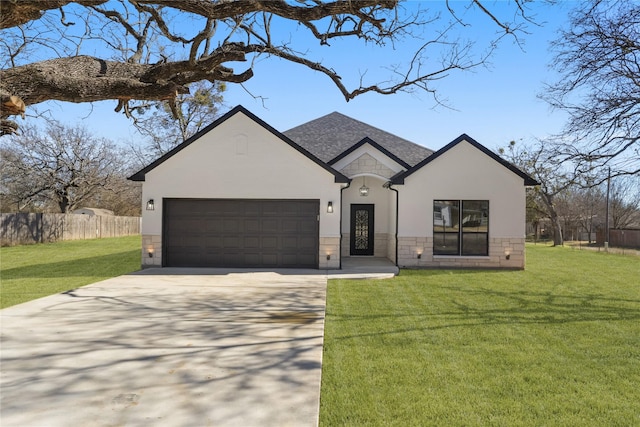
(378,196)
(463,173)
(239,159)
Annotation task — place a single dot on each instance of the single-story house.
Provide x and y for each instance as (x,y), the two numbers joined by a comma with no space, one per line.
(241,194)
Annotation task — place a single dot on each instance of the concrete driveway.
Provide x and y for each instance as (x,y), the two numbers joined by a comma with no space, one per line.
(171,348)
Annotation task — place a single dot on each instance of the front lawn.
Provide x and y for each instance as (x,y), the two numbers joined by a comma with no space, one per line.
(555,345)
(34,271)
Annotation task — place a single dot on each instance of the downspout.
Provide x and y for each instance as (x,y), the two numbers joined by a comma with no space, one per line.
(389,186)
(341,208)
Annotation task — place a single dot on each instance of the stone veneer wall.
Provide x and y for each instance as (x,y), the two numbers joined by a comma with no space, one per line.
(409,247)
(381,242)
(331,246)
(345,245)
(380,245)
(155,242)
(391,248)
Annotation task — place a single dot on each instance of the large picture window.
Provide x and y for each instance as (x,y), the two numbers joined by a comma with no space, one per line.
(461,227)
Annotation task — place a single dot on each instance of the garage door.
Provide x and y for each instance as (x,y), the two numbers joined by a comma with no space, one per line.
(241,233)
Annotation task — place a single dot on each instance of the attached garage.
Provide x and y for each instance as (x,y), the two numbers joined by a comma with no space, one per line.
(240,194)
(240,233)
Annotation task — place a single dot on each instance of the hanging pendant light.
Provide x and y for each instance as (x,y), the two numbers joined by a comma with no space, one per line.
(364,190)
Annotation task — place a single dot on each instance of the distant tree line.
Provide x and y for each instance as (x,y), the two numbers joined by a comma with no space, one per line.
(60,168)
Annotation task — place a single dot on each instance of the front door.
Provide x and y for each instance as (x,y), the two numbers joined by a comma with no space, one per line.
(362,230)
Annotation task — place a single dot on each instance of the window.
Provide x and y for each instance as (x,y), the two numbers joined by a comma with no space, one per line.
(461,227)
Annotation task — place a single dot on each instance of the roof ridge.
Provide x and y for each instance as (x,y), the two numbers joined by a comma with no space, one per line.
(361,122)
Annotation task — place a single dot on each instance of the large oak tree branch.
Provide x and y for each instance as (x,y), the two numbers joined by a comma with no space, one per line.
(226,9)
(81,79)
(88,79)
(141,32)
(18,12)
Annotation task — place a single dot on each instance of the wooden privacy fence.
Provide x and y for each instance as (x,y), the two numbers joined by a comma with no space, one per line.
(620,238)
(27,228)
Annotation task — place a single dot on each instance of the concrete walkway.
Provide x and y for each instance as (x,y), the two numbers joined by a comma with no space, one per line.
(167,348)
(365,267)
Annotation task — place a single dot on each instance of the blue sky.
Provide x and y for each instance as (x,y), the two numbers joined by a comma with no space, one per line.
(493,105)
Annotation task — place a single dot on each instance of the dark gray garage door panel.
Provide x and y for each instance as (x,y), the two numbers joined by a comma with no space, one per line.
(241,233)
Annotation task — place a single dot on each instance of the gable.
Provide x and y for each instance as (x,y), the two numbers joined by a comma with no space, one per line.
(368,157)
(366,164)
(464,172)
(476,148)
(238,159)
(375,148)
(252,119)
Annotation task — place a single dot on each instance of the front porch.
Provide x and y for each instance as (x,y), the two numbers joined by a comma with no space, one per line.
(362,267)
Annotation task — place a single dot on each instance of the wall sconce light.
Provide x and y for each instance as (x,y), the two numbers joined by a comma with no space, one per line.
(150,251)
(419,255)
(151,205)
(328,257)
(364,190)
(330,207)
(507,254)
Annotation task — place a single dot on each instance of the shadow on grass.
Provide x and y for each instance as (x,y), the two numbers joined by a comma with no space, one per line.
(543,307)
(91,266)
(487,307)
(429,272)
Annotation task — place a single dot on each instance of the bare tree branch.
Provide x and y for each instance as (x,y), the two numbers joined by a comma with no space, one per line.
(61,167)
(146,52)
(598,58)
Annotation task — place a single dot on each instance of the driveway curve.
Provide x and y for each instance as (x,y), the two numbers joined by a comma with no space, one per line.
(168,347)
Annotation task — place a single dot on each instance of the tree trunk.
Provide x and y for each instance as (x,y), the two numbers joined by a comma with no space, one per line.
(548,200)
(63,203)
(558,239)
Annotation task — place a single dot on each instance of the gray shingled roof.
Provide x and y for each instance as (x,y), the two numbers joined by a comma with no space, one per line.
(328,136)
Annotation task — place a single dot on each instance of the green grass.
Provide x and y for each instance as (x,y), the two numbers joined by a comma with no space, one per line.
(34,271)
(555,345)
